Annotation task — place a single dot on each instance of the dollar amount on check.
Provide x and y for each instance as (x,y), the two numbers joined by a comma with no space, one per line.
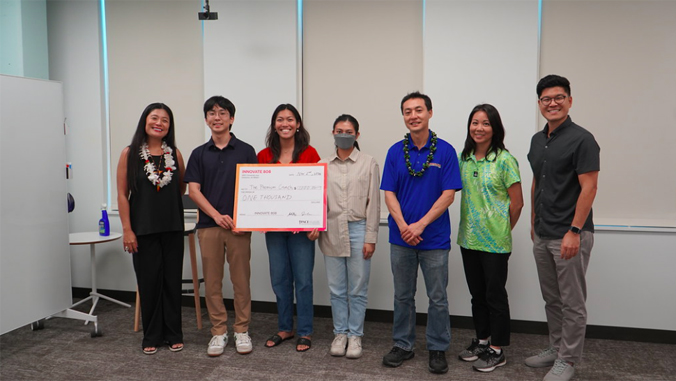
(280,197)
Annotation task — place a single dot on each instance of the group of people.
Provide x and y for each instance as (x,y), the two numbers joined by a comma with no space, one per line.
(421,175)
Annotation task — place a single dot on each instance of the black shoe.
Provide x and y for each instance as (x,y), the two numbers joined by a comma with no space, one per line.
(397,356)
(474,350)
(489,360)
(438,362)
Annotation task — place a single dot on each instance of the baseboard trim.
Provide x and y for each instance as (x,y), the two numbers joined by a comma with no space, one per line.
(518,326)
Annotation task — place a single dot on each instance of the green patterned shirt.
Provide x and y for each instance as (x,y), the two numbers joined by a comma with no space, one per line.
(484,208)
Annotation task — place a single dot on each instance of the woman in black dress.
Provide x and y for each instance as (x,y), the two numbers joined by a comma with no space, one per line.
(149,189)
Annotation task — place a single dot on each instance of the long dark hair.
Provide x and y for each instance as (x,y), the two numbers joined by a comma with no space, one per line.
(133,158)
(497,142)
(301,139)
(350,119)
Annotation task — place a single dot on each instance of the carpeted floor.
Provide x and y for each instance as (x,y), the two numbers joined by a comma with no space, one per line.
(64,350)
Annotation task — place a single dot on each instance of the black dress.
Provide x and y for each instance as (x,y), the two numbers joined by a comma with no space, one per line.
(157,220)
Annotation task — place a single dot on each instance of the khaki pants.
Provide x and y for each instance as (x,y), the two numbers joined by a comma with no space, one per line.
(564,289)
(217,245)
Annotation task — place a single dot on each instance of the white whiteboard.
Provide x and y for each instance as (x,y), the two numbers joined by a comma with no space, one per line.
(34,252)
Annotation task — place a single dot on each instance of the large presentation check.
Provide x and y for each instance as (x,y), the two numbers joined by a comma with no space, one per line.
(280,197)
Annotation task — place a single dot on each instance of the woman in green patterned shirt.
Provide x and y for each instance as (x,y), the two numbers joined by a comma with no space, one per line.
(490,207)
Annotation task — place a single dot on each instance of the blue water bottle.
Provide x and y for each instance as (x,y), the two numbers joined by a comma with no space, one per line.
(104,224)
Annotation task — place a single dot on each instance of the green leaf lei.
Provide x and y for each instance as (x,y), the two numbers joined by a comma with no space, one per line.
(430,156)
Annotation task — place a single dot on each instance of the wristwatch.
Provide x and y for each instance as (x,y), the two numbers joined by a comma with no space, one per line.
(575,229)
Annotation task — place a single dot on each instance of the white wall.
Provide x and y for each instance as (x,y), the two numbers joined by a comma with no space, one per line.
(630,284)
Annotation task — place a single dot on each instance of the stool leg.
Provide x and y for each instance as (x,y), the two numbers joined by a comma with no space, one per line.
(137,311)
(195,280)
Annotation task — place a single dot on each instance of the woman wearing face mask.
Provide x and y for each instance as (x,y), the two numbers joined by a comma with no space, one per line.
(490,207)
(353,216)
(292,254)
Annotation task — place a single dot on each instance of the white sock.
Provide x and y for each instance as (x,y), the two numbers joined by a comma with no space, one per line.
(483,342)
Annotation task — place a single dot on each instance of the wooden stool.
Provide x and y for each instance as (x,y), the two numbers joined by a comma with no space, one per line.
(189,231)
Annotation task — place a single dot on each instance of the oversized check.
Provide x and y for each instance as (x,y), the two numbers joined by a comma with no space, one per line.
(280,197)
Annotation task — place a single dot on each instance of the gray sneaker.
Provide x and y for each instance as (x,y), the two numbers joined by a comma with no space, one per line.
(561,371)
(490,360)
(472,352)
(543,359)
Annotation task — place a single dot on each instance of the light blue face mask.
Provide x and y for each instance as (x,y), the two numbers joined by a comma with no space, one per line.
(344,141)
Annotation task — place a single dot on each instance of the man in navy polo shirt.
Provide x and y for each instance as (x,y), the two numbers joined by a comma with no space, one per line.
(565,162)
(420,178)
(211,175)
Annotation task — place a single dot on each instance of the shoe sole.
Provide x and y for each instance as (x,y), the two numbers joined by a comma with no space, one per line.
(540,365)
(468,359)
(440,371)
(489,369)
(150,352)
(337,354)
(245,352)
(396,364)
(214,354)
(176,349)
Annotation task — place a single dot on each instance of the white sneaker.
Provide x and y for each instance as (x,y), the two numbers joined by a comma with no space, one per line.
(243,343)
(338,345)
(354,347)
(217,345)
(561,371)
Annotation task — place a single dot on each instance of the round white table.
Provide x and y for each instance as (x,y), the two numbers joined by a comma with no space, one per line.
(91,239)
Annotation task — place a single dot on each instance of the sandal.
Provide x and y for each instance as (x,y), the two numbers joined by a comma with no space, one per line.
(149,350)
(276,340)
(176,347)
(303,341)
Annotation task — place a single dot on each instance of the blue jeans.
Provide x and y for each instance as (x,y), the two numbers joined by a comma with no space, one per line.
(292,259)
(434,265)
(348,279)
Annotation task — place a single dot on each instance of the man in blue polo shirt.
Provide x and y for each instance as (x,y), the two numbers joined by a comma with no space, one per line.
(211,175)
(420,178)
(565,162)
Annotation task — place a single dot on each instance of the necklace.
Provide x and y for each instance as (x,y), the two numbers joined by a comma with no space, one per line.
(154,173)
(430,156)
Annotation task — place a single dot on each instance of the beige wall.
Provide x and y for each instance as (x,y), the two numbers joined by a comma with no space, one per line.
(155,55)
(621,61)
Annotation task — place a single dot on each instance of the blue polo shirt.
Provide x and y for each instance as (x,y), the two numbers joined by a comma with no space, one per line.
(216,171)
(416,195)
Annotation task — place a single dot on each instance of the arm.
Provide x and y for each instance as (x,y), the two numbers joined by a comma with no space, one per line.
(438,208)
(372,212)
(181,171)
(394,208)
(515,203)
(128,236)
(570,244)
(195,193)
(532,211)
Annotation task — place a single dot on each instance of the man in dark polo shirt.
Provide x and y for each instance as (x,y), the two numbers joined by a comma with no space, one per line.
(420,177)
(211,175)
(565,162)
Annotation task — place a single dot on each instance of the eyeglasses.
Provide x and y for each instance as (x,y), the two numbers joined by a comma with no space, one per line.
(558,99)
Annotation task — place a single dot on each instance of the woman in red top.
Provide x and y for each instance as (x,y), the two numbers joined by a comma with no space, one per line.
(292,256)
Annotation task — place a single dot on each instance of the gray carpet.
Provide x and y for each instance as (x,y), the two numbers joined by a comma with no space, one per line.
(63,350)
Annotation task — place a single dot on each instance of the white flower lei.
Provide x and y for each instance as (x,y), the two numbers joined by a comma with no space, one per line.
(149,165)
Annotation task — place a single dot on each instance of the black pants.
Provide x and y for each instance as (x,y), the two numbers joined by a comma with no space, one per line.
(486,275)
(159,268)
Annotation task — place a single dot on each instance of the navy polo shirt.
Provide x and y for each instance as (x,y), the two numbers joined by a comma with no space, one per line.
(416,195)
(557,160)
(216,171)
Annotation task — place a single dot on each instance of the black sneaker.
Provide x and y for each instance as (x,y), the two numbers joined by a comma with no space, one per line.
(397,356)
(472,352)
(489,360)
(438,362)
